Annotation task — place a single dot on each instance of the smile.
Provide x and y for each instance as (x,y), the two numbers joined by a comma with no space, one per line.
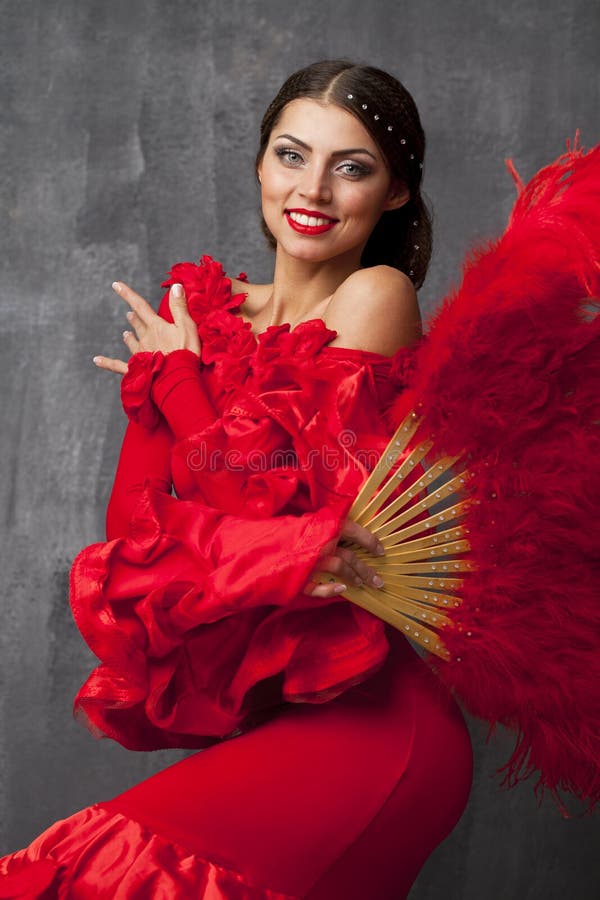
(305,224)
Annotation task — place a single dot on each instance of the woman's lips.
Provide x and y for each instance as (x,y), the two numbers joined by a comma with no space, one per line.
(309,229)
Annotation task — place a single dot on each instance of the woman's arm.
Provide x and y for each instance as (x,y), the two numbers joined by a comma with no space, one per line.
(179,394)
(145,452)
(145,455)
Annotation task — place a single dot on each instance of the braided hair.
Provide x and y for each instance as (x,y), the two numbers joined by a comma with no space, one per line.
(402,237)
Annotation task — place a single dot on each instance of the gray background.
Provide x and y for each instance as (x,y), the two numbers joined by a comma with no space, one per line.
(129,133)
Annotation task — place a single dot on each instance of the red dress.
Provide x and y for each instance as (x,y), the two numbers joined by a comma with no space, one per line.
(320,774)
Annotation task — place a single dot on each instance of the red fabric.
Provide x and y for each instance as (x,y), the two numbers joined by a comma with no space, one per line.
(509,377)
(339,800)
(194,604)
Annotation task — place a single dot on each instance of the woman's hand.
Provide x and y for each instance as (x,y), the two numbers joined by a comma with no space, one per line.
(344,563)
(152,332)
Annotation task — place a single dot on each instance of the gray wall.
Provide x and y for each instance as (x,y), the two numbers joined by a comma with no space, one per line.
(129,133)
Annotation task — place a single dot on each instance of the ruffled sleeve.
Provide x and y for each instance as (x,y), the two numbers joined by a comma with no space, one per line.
(200,622)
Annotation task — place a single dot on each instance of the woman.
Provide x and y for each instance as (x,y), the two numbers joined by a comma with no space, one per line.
(209,611)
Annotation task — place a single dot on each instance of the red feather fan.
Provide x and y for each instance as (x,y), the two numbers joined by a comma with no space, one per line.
(509,379)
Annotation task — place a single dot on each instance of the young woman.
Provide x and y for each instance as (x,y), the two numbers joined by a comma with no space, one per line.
(264,406)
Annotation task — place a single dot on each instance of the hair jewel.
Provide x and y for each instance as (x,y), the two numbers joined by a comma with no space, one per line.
(376,117)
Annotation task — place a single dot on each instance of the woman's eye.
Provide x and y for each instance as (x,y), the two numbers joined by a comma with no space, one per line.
(288,155)
(357,170)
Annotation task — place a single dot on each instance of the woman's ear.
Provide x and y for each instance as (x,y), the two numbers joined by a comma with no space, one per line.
(398,195)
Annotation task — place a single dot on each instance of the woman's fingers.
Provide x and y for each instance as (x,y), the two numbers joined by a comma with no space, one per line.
(359,571)
(348,569)
(153,332)
(135,321)
(325,590)
(343,563)
(111,365)
(132,342)
(178,305)
(140,307)
(344,571)
(356,533)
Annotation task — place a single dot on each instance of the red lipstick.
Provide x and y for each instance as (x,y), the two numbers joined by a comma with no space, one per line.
(310,229)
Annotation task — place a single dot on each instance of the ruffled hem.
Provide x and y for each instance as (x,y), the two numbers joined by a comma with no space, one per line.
(99,853)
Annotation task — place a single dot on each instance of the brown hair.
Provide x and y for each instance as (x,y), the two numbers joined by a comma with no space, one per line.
(402,238)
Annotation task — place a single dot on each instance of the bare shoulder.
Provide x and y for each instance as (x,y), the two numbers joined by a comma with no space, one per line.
(256,295)
(375,309)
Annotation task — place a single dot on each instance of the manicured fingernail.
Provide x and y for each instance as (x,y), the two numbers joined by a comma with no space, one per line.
(340,588)
(377,581)
(379,550)
(97,359)
(116,285)
(177,291)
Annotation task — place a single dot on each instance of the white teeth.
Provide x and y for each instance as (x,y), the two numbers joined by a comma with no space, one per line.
(302,219)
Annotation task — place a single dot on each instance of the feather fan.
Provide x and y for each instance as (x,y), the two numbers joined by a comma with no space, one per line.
(488,495)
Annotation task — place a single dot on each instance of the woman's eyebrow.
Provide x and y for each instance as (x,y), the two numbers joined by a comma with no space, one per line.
(296,140)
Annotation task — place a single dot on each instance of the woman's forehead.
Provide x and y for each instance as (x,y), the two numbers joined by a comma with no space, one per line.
(312,120)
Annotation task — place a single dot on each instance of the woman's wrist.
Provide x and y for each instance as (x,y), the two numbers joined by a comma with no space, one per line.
(178,392)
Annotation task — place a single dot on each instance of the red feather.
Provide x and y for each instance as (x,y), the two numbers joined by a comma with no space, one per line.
(509,376)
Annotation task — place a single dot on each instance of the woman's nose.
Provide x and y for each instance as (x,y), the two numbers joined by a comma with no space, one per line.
(315,185)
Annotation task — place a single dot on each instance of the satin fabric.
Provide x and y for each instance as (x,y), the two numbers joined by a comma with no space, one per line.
(339,801)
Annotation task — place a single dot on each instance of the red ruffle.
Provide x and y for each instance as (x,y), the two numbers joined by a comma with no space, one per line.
(200,623)
(96,847)
(136,387)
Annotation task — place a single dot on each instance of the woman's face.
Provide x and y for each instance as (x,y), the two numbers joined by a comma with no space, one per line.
(322,160)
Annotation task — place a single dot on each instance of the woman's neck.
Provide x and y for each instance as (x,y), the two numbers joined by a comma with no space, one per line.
(301,288)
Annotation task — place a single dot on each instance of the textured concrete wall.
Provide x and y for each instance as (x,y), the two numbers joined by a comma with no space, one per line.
(129,134)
